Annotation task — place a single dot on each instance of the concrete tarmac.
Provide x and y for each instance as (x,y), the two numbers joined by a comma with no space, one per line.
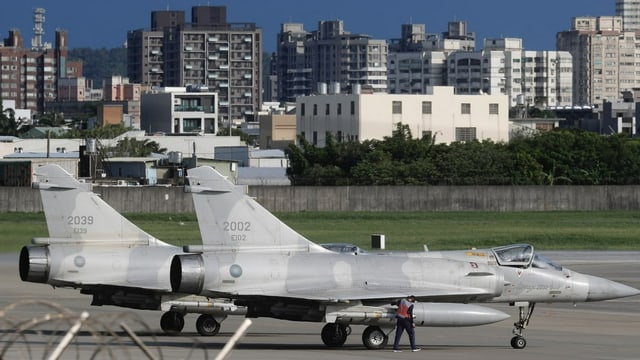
(600,330)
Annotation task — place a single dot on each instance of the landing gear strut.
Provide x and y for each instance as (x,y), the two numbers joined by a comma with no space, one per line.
(172,321)
(525,310)
(334,335)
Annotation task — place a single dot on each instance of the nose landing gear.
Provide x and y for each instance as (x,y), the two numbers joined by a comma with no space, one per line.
(525,310)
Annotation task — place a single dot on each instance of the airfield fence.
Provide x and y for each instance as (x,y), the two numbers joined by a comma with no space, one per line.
(362,198)
(39,329)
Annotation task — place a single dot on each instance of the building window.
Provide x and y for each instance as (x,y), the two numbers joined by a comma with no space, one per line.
(465,133)
(315,109)
(396,107)
(494,109)
(426,107)
(465,108)
(302,109)
(327,109)
(315,138)
(339,136)
(353,108)
(191,125)
(339,109)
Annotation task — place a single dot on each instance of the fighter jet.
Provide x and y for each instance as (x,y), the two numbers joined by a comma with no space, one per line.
(93,248)
(264,265)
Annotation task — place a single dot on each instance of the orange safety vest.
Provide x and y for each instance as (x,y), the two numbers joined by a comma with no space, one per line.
(403,309)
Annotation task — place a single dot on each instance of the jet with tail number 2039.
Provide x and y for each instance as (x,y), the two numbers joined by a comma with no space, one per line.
(93,248)
(252,257)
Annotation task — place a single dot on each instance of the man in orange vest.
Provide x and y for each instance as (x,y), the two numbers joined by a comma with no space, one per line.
(404,314)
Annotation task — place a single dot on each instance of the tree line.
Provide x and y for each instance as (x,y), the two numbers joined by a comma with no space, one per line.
(557,157)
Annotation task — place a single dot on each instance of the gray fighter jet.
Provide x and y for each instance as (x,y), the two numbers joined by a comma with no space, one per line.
(93,248)
(264,265)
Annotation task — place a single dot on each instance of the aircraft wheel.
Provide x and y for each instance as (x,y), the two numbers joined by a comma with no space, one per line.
(172,321)
(518,342)
(374,338)
(207,325)
(334,335)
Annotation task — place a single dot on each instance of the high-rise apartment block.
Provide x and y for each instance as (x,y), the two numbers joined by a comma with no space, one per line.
(604,58)
(328,57)
(540,78)
(208,53)
(29,75)
(629,10)
(418,60)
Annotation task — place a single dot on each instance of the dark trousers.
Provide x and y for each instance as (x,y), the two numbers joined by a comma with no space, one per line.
(404,324)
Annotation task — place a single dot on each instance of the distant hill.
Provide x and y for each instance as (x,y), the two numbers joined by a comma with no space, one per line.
(100,63)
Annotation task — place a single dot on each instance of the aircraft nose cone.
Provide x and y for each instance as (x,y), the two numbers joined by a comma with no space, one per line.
(603,289)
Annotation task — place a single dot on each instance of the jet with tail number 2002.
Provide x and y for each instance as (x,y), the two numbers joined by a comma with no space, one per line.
(93,248)
(252,257)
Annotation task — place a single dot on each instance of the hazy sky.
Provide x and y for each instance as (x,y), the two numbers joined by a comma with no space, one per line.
(100,24)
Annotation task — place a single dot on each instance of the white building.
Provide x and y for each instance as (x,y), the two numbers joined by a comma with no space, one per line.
(541,78)
(178,110)
(441,113)
(629,10)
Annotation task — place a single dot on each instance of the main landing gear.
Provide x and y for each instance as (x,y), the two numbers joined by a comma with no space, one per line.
(335,335)
(525,310)
(173,322)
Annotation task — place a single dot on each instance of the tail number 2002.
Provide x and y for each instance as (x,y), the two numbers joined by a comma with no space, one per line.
(241,226)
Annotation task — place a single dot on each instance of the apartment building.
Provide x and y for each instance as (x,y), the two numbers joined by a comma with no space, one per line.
(604,58)
(328,56)
(29,75)
(440,112)
(418,60)
(527,77)
(208,52)
(629,10)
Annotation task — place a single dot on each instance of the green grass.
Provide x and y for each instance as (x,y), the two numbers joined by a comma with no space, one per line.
(403,230)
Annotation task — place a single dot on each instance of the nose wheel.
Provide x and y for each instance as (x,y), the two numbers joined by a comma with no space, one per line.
(525,311)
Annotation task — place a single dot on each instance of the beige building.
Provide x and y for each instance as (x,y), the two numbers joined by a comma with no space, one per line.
(439,113)
(604,58)
(277,131)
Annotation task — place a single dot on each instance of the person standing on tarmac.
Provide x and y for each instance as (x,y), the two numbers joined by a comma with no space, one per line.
(404,316)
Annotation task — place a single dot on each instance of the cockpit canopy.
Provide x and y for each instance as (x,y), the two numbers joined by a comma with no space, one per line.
(522,255)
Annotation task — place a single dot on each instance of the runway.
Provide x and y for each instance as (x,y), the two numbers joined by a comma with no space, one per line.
(600,330)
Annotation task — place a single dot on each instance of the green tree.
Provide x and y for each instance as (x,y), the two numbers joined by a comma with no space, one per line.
(8,124)
(137,148)
(52,119)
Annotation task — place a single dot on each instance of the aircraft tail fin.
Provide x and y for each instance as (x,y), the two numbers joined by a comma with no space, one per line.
(75,214)
(230,219)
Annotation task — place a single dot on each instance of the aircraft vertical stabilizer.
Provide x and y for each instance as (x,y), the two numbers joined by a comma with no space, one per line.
(76,214)
(230,219)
